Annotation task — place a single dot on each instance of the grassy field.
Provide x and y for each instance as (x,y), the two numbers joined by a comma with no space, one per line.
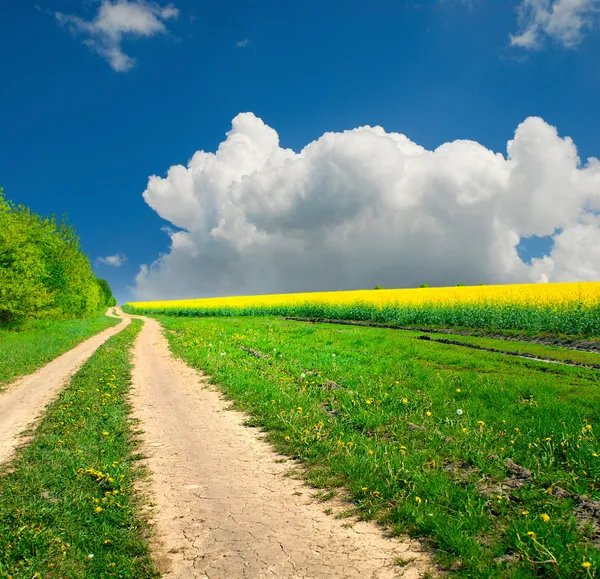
(493,459)
(519,347)
(22,352)
(67,503)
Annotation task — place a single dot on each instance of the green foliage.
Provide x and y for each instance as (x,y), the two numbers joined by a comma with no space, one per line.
(377,287)
(106,293)
(68,505)
(43,271)
(421,435)
(423,285)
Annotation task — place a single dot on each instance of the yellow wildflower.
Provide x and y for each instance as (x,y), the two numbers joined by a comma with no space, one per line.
(545,517)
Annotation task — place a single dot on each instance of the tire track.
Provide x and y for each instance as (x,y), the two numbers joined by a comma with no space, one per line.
(224,507)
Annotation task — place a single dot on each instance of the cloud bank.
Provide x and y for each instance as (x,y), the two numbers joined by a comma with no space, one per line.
(116,260)
(563,21)
(365,207)
(116,21)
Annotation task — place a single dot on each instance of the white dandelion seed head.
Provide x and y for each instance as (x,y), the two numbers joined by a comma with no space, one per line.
(459,411)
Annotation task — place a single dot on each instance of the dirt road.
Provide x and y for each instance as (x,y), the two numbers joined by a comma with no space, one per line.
(25,399)
(224,508)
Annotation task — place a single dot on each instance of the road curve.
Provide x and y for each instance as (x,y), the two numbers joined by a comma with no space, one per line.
(26,398)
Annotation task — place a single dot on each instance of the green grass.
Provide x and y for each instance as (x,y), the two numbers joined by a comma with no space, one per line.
(22,352)
(518,347)
(375,411)
(68,507)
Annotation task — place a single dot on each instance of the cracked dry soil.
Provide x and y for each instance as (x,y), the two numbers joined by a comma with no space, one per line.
(223,507)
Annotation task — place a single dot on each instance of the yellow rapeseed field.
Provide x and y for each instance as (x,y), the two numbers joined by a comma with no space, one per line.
(546,294)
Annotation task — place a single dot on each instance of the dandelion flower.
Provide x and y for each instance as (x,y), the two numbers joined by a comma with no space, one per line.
(98,509)
(481,423)
(524,513)
(428,413)
(458,389)
(105,433)
(531,534)
(418,500)
(545,517)
(586,564)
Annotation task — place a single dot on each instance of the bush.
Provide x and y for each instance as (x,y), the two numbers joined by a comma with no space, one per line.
(43,271)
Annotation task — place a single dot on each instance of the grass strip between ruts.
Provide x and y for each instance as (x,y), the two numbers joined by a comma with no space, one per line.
(68,507)
(40,341)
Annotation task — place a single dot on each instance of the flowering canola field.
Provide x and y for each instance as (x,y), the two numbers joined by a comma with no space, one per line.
(572,308)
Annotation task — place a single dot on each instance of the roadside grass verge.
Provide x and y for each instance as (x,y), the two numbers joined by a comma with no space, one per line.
(67,503)
(494,460)
(40,341)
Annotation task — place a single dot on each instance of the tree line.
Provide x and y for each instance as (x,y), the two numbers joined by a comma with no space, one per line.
(43,270)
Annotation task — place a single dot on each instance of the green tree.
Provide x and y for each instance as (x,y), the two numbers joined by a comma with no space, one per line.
(43,270)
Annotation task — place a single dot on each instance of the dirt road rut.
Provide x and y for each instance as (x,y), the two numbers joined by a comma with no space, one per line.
(223,506)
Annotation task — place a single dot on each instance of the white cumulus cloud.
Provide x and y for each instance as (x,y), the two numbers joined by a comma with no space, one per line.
(563,21)
(115,21)
(116,260)
(366,207)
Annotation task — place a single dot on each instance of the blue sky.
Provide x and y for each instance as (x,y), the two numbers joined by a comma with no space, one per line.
(81,138)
